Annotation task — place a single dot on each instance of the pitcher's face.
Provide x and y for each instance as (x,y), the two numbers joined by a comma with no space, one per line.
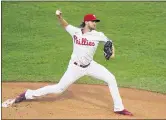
(91,25)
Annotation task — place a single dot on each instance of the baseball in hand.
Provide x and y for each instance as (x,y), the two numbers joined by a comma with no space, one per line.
(58,12)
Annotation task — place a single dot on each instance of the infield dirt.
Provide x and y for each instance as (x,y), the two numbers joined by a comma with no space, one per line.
(82,101)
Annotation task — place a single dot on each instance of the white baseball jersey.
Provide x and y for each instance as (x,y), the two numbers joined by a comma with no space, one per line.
(84,44)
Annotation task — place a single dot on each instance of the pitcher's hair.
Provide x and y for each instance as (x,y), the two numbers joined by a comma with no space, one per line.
(82,25)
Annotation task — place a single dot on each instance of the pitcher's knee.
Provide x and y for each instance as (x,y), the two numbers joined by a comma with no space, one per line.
(111,79)
(58,89)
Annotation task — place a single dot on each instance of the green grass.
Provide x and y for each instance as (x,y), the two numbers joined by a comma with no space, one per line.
(36,48)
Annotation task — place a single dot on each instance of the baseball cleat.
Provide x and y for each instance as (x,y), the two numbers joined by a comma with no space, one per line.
(124,112)
(20,98)
(8,103)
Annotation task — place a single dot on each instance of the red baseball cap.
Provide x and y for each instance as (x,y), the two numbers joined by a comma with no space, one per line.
(90,17)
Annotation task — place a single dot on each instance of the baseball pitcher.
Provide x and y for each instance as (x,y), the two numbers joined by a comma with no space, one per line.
(85,41)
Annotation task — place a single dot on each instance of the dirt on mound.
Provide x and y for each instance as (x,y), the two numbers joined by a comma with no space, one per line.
(82,101)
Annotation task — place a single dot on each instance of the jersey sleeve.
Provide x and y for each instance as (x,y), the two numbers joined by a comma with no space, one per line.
(71,29)
(104,38)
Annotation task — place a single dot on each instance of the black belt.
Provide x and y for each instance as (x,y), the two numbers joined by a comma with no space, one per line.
(83,66)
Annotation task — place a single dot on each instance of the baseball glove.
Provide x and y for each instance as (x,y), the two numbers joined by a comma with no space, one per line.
(108,50)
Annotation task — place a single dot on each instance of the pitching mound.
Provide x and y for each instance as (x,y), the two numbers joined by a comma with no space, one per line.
(82,102)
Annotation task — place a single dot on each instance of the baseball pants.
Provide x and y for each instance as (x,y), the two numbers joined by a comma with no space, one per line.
(75,72)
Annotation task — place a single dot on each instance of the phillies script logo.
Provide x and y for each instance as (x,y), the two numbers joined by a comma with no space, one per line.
(83,41)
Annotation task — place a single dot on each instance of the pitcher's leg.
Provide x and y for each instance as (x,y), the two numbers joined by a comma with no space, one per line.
(70,76)
(100,72)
